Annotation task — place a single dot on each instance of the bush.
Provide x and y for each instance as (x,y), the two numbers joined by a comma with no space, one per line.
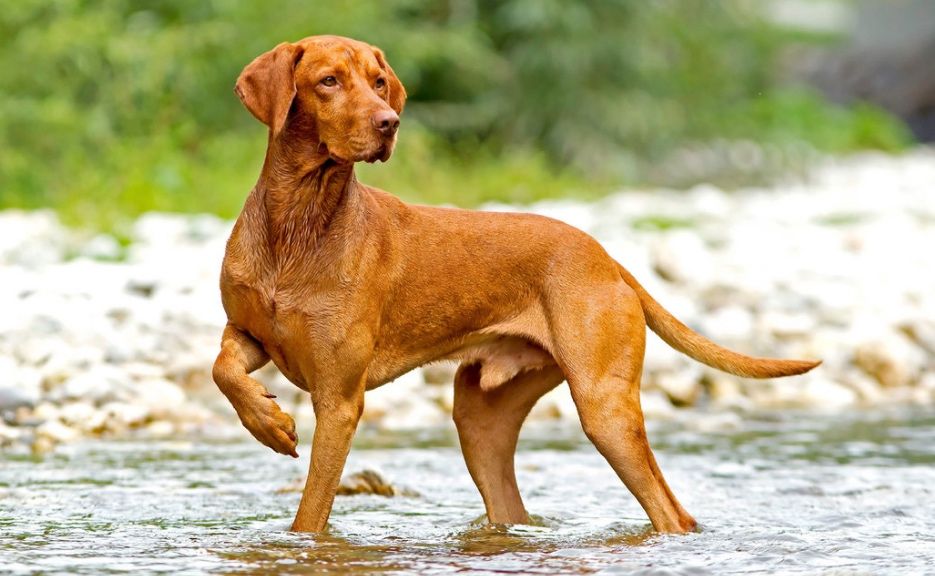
(108,109)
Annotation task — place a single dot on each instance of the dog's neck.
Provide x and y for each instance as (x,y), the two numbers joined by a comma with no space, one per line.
(301,192)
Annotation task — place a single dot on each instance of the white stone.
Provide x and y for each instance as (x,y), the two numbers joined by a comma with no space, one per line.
(34,350)
(102,247)
(31,239)
(46,411)
(655,405)
(927,382)
(827,394)
(56,431)
(556,405)
(439,373)
(660,357)
(83,416)
(8,434)
(98,384)
(787,325)
(806,269)
(19,385)
(728,324)
(160,396)
(891,359)
(682,257)
(726,391)
(716,422)
(160,429)
(125,414)
(682,388)
(71,360)
(413,412)
(868,390)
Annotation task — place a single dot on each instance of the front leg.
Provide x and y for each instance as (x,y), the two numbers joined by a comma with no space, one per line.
(338,406)
(240,355)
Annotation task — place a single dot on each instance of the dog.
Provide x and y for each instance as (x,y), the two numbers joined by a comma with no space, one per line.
(345,287)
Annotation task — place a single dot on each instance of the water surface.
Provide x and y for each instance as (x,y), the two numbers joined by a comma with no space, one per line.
(792,493)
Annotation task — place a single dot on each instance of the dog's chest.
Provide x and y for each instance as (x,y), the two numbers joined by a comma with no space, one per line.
(294,327)
(271,319)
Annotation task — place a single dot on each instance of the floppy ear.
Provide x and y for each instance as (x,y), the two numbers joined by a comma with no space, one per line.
(397,96)
(267,85)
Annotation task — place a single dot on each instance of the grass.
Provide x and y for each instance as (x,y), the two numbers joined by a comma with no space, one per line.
(843,219)
(107,192)
(658,223)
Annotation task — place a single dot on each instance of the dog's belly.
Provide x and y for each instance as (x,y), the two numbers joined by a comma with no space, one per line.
(504,349)
(502,358)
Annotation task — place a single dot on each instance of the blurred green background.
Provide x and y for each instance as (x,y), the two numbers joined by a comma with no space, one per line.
(109,109)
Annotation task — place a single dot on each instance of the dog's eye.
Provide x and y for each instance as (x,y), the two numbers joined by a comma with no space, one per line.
(329,81)
(380,83)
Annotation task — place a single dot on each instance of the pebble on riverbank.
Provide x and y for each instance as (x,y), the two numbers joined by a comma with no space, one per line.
(100,340)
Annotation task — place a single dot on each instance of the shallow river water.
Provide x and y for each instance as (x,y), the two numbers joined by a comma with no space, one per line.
(785,494)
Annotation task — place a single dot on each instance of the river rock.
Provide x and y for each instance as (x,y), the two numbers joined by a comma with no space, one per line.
(826,394)
(370,482)
(8,434)
(868,390)
(31,239)
(160,429)
(656,405)
(19,385)
(926,387)
(682,388)
(439,373)
(403,404)
(921,330)
(726,391)
(160,396)
(729,324)
(56,431)
(84,417)
(804,269)
(787,325)
(683,257)
(557,404)
(102,247)
(893,360)
(124,415)
(98,384)
(35,350)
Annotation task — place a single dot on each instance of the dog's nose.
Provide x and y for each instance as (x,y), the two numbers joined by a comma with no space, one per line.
(385,121)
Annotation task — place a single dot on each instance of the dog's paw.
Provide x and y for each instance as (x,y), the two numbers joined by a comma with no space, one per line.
(270,425)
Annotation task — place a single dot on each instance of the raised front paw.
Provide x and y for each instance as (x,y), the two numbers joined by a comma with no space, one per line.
(270,425)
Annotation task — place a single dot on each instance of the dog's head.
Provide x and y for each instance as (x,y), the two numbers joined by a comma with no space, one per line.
(335,91)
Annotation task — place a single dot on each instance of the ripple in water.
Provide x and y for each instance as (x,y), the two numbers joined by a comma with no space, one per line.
(794,493)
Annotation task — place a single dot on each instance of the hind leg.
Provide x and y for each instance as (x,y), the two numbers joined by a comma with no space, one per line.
(604,364)
(614,423)
(488,424)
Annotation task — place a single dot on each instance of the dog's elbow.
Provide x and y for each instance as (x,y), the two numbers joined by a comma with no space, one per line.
(223,372)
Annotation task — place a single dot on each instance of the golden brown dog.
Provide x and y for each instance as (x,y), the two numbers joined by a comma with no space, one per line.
(345,288)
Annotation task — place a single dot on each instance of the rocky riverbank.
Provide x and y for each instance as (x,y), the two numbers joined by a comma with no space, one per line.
(102,339)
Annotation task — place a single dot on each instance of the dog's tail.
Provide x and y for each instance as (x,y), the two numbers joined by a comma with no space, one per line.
(689,342)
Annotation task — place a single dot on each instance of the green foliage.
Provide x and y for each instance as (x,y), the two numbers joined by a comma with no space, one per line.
(796,115)
(660,223)
(108,109)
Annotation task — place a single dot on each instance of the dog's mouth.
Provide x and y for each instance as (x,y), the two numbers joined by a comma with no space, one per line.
(381,153)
